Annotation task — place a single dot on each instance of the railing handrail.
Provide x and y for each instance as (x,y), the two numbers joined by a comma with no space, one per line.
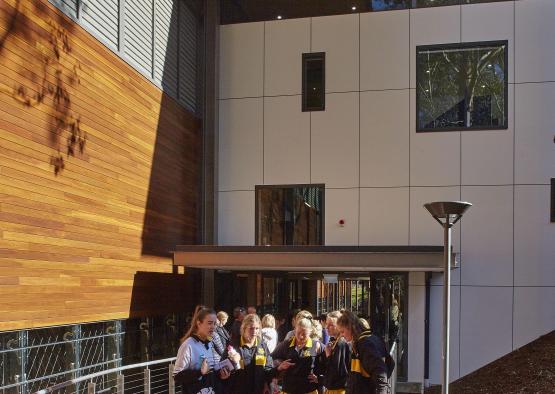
(105,372)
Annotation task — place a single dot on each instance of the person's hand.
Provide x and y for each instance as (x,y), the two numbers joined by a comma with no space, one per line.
(204,367)
(285,365)
(224,373)
(235,357)
(313,378)
(328,349)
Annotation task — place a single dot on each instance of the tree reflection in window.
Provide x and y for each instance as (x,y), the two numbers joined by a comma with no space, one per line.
(461,86)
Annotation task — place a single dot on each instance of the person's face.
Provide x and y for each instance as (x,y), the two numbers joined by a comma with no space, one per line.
(251,331)
(251,310)
(205,328)
(331,326)
(223,321)
(301,335)
(345,332)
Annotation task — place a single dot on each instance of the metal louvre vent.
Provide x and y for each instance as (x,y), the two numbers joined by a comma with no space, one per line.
(188,30)
(137,46)
(100,17)
(162,39)
(69,7)
(166,45)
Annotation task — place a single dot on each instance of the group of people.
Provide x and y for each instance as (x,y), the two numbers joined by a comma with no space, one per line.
(250,359)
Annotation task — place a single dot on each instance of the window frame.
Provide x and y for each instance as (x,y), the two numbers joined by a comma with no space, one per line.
(552,202)
(322,186)
(465,45)
(305,58)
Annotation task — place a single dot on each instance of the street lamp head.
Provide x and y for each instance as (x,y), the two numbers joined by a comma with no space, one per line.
(447,210)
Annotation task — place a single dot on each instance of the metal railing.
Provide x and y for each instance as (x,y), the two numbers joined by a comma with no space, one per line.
(145,380)
(393,378)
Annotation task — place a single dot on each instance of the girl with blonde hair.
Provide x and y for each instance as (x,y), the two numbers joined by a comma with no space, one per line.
(299,358)
(252,358)
(269,333)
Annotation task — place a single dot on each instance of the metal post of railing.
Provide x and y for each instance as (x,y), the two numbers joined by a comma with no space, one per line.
(120,383)
(91,388)
(171,382)
(393,377)
(147,380)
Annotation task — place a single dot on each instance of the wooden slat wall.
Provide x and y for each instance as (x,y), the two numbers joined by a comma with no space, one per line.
(75,229)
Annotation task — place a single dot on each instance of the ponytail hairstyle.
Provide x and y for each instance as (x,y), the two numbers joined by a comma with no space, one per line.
(200,314)
(350,320)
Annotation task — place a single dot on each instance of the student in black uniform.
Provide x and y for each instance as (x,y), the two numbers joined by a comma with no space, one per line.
(368,368)
(252,358)
(299,358)
(336,358)
(197,360)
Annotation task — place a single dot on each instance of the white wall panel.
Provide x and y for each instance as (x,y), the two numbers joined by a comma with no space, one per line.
(434,156)
(286,141)
(384,216)
(416,323)
(486,325)
(341,204)
(335,142)
(384,56)
(240,144)
(490,22)
(430,26)
(534,131)
(533,313)
(487,236)
(236,218)
(534,32)
(285,42)
(487,156)
(534,237)
(424,230)
(384,138)
(241,60)
(337,35)
(436,334)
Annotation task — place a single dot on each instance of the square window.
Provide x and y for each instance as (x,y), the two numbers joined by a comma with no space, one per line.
(461,86)
(290,215)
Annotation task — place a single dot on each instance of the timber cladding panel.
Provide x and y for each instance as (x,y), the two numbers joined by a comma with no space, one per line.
(99,177)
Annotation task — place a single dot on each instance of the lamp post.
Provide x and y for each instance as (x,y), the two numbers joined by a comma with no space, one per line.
(446,213)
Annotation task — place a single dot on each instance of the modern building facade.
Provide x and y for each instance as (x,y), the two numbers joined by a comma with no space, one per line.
(378,170)
(128,128)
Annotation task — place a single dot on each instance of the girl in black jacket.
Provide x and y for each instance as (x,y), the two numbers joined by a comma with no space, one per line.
(252,359)
(299,357)
(368,369)
(336,358)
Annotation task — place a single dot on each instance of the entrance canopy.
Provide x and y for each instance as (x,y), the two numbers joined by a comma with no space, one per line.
(338,259)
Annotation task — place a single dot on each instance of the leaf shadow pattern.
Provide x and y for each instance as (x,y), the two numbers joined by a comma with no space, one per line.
(58,76)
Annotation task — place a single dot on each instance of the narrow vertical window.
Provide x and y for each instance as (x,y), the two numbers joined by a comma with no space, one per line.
(552,200)
(314,78)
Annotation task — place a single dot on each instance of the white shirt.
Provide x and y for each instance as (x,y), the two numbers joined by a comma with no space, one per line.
(269,335)
(192,352)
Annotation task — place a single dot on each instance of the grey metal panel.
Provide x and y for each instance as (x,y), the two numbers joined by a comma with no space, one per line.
(100,17)
(188,50)
(138,28)
(166,45)
(69,7)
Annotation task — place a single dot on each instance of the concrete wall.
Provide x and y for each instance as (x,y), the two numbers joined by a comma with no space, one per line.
(378,171)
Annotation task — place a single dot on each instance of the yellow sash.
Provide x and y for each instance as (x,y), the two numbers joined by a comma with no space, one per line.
(356,366)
